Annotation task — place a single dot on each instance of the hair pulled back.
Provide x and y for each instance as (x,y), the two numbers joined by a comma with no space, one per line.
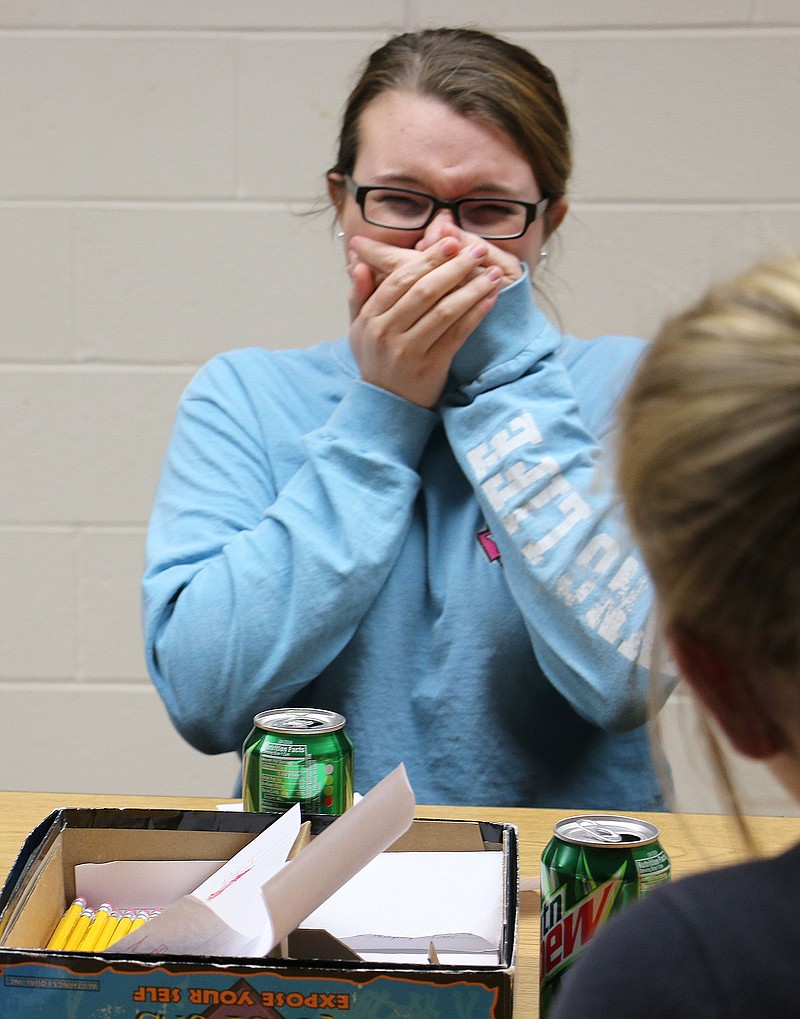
(709,471)
(479,76)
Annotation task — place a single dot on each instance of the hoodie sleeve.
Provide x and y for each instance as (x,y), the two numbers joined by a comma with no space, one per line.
(530,431)
(252,587)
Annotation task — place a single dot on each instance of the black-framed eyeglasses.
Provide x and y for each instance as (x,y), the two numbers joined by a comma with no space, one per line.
(494,219)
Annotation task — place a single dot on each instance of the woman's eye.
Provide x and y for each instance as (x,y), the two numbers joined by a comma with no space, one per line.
(404,206)
(489,212)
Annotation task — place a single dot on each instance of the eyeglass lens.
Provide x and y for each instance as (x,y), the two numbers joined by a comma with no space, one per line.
(399,210)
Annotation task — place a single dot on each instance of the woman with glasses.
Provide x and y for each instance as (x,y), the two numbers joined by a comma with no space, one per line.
(407,525)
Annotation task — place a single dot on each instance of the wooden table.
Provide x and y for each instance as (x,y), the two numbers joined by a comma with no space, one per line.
(693,841)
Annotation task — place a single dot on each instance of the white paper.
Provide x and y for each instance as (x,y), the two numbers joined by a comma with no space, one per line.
(141,884)
(234,891)
(257,899)
(469,960)
(402,901)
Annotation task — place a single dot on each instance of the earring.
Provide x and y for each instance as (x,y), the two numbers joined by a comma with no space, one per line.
(340,233)
(543,254)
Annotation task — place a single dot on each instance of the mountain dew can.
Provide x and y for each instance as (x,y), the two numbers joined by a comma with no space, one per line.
(298,755)
(594,865)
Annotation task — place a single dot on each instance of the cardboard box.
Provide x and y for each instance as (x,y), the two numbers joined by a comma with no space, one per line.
(319,979)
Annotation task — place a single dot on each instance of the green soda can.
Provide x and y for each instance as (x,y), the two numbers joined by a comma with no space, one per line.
(594,865)
(297,755)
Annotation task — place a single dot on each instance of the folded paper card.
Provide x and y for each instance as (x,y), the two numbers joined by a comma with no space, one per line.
(257,899)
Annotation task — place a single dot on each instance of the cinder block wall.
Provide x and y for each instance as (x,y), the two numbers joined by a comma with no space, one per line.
(157,158)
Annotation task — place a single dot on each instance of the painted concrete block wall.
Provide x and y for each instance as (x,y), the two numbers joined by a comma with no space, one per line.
(161,185)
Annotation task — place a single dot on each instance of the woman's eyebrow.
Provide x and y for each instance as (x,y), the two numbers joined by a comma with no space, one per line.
(409,181)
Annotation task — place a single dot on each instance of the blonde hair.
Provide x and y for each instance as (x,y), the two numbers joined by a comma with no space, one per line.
(709,472)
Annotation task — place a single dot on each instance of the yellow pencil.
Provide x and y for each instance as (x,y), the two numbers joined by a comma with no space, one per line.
(141,917)
(94,930)
(124,925)
(58,938)
(108,932)
(77,932)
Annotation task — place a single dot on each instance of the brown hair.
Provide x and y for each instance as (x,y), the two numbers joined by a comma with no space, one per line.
(479,76)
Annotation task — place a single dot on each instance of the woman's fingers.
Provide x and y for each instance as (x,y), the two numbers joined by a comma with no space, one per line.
(411,281)
(408,347)
(441,227)
(438,228)
(369,271)
(363,285)
(413,308)
(426,316)
(403,266)
(447,323)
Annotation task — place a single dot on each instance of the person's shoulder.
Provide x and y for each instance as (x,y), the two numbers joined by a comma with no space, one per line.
(706,926)
(719,893)
(254,367)
(604,981)
(600,370)
(750,883)
(263,357)
(610,353)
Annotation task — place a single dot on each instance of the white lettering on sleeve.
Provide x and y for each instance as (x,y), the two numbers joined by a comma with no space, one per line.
(625,576)
(521,431)
(599,554)
(505,486)
(502,488)
(575,510)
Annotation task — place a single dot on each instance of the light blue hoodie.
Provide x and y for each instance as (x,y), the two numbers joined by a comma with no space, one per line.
(456,582)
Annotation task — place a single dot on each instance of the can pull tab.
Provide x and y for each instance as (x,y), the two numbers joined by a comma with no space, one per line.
(600,832)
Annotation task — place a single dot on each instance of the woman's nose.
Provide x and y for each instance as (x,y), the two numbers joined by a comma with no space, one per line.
(443,218)
(447,213)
